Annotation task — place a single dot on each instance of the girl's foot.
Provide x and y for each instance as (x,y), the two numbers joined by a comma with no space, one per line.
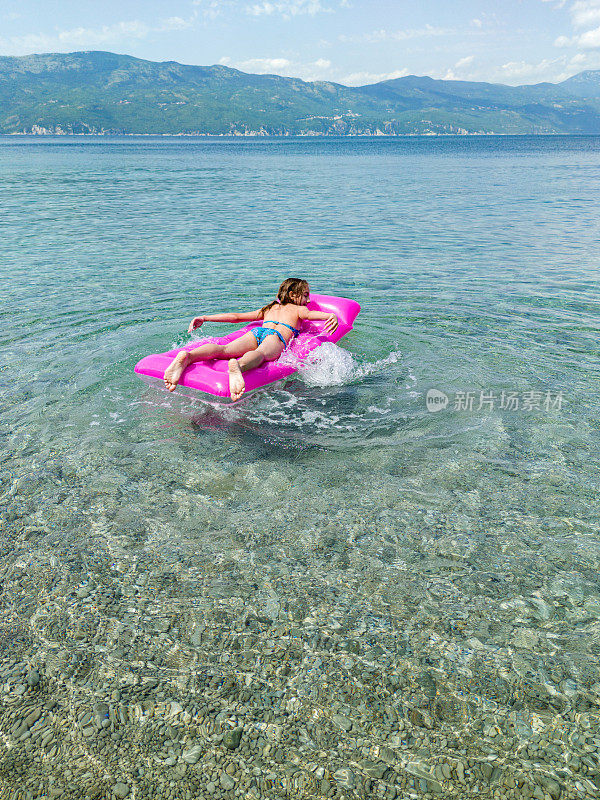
(236,380)
(174,370)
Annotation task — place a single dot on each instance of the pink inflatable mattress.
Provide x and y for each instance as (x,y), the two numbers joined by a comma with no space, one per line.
(212,376)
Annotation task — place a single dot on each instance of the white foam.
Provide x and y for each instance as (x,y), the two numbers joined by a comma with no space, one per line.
(330,365)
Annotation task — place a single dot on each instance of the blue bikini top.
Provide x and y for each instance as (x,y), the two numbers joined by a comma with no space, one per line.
(295,331)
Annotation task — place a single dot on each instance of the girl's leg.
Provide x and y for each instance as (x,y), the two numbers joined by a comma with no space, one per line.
(205,352)
(269,350)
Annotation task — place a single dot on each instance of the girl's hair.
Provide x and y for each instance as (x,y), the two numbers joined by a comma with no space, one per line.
(290,287)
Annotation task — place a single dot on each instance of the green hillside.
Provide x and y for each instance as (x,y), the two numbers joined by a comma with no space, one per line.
(585,84)
(98,92)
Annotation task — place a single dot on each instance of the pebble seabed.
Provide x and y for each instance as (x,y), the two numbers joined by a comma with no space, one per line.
(113,685)
(252,631)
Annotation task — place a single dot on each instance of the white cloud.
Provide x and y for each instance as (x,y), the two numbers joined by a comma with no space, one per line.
(585,13)
(477,23)
(307,71)
(209,8)
(263,65)
(523,69)
(464,62)
(29,43)
(363,78)
(175,24)
(398,36)
(451,75)
(287,8)
(89,38)
(590,40)
(553,70)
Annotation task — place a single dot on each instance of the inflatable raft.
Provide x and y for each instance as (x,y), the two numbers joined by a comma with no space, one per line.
(212,376)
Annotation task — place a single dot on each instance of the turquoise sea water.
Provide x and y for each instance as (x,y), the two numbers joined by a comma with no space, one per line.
(469,536)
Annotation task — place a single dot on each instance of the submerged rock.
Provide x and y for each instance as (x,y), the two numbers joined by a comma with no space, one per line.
(231,739)
(227,782)
(33,678)
(193,755)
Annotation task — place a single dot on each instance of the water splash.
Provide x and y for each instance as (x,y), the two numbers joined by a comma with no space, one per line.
(330,365)
(325,365)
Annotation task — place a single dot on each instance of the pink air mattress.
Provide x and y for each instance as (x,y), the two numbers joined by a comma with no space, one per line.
(212,376)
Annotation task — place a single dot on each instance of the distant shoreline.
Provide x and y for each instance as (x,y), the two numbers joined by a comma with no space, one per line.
(98,93)
(303,136)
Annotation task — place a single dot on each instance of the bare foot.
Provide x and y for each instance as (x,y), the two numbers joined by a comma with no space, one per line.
(174,370)
(237,385)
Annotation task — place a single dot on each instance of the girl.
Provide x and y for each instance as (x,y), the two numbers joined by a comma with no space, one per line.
(265,343)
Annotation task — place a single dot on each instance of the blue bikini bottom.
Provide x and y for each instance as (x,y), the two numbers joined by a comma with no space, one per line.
(260,333)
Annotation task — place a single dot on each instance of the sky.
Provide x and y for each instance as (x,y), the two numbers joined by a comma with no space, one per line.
(353,42)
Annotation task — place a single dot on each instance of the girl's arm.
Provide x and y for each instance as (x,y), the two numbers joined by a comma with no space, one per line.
(331,321)
(244,316)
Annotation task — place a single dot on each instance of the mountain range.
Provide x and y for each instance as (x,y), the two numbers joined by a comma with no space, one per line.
(105,93)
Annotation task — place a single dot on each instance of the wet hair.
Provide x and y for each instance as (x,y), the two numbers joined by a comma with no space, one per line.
(290,288)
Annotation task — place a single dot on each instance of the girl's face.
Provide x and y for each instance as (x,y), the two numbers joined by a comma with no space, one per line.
(302,298)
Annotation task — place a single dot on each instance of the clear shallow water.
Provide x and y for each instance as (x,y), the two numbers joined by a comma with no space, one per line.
(462,546)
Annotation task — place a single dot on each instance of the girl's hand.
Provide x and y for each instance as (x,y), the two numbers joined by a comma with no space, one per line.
(331,323)
(195,323)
